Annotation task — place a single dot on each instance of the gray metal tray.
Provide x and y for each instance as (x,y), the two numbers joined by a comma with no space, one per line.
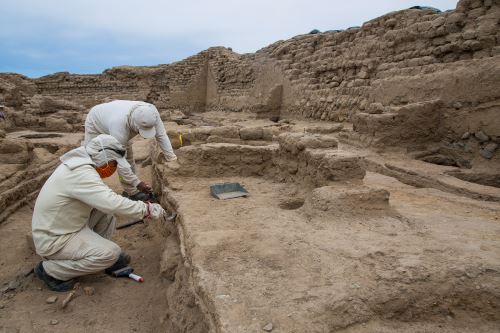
(228,191)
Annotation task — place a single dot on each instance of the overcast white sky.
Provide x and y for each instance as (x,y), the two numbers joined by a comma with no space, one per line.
(88,36)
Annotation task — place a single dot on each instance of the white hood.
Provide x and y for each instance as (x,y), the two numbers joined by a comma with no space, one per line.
(76,158)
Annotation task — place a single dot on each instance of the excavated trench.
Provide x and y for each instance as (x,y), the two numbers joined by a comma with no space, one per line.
(336,256)
(320,245)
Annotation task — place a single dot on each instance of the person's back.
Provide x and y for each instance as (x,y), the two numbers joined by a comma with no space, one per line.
(110,118)
(54,204)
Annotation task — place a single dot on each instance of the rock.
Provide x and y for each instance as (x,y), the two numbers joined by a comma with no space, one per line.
(51,299)
(491,147)
(457,105)
(2,306)
(13,285)
(489,150)
(486,154)
(68,298)
(465,136)
(89,291)
(2,133)
(481,136)
(54,322)
(268,327)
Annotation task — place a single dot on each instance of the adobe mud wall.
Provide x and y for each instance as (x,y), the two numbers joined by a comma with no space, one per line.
(402,58)
(385,76)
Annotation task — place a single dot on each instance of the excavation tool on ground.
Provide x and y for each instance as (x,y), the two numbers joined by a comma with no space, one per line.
(127,272)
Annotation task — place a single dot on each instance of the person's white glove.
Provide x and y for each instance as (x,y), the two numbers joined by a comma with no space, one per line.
(170,157)
(155,211)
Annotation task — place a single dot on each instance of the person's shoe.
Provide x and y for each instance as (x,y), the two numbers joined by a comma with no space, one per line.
(123,261)
(125,257)
(53,283)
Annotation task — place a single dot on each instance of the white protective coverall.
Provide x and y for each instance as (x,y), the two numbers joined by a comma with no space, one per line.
(72,221)
(115,118)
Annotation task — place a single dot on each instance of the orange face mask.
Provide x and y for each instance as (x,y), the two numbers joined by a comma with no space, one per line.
(107,170)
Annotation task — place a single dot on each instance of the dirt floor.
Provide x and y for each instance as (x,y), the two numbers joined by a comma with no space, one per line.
(117,305)
(268,259)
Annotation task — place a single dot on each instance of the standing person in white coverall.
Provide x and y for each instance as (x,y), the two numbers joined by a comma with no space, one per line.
(124,120)
(73,216)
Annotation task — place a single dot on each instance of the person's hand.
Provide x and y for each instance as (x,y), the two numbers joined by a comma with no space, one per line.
(144,187)
(171,157)
(155,211)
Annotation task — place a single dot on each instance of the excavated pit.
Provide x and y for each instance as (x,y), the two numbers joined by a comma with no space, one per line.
(291,204)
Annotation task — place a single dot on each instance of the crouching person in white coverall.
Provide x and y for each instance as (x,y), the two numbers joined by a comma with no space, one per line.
(73,216)
(124,120)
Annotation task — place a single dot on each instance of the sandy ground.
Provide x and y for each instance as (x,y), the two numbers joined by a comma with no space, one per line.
(261,262)
(118,305)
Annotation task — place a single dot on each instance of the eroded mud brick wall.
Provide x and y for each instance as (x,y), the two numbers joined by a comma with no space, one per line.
(405,57)
(435,73)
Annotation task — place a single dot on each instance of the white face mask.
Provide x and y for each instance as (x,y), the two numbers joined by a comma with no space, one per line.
(104,151)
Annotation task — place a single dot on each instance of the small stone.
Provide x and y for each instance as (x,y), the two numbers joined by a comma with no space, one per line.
(13,285)
(89,291)
(486,154)
(457,105)
(465,136)
(54,322)
(481,136)
(51,300)
(2,306)
(491,147)
(268,327)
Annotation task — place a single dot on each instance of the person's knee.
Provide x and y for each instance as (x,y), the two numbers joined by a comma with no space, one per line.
(111,254)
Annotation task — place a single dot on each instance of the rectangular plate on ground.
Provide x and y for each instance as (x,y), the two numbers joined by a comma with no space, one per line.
(228,191)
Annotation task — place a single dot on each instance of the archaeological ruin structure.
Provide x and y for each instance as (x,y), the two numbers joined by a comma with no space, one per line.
(371,156)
